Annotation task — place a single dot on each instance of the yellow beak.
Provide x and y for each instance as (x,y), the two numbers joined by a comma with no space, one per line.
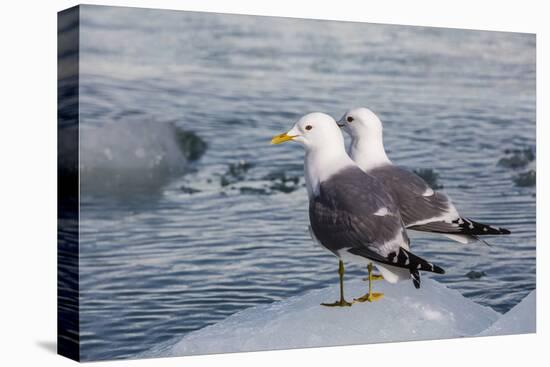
(278,139)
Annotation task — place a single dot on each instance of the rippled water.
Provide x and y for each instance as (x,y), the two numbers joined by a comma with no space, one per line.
(189,251)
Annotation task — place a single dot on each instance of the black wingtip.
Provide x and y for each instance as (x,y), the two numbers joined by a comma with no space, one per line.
(415,275)
(415,263)
(504,231)
(475,228)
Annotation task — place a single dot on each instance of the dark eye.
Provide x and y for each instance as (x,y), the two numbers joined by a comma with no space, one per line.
(350,119)
(309,127)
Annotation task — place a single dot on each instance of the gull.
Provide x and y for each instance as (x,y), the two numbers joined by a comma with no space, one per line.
(422,208)
(350,213)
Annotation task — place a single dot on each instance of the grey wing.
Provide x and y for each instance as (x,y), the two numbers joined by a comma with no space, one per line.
(418,203)
(352,210)
(424,209)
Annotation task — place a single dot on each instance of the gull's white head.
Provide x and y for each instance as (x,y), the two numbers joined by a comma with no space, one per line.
(324,145)
(361,122)
(367,143)
(315,131)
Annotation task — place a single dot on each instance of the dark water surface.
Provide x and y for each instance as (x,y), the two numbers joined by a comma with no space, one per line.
(203,239)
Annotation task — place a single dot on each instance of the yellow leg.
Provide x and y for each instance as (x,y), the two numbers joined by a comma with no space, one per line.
(342,302)
(370,297)
(373,276)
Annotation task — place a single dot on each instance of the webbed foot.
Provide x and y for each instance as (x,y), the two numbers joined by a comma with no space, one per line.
(340,303)
(369,297)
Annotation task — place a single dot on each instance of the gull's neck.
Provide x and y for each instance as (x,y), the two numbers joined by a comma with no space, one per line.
(368,151)
(321,164)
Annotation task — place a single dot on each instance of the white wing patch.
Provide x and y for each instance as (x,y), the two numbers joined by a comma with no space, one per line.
(383,211)
(428,192)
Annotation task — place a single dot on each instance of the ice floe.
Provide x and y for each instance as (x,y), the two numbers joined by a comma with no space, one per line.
(432,312)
